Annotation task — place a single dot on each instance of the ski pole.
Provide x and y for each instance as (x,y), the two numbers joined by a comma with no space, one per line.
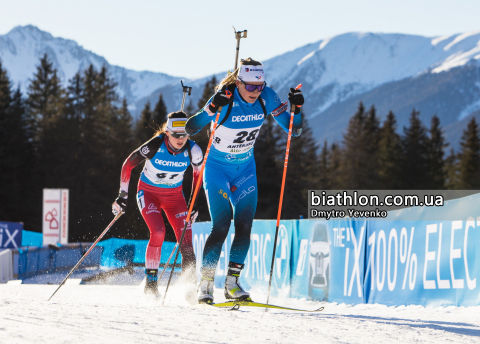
(175,247)
(238,36)
(86,253)
(292,112)
(185,90)
(192,202)
(168,261)
(171,255)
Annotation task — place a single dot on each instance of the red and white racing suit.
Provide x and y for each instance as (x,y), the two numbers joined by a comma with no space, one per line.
(160,188)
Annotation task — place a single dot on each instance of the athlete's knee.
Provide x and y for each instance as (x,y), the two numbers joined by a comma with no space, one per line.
(243,231)
(156,239)
(219,233)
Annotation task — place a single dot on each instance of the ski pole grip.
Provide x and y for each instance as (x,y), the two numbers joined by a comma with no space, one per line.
(292,108)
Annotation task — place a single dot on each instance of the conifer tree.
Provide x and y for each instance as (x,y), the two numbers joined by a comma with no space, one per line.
(208,92)
(302,173)
(66,136)
(15,157)
(159,115)
(45,97)
(7,128)
(334,168)
(74,106)
(371,138)
(96,154)
(451,171)
(324,182)
(469,158)
(269,170)
(189,109)
(45,103)
(21,154)
(436,152)
(123,143)
(389,155)
(201,138)
(5,91)
(358,167)
(352,161)
(415,143)
(144,130)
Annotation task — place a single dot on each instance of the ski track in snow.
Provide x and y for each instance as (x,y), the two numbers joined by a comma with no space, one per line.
(122,314)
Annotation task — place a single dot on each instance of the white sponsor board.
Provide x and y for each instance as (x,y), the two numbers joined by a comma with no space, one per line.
(55,216)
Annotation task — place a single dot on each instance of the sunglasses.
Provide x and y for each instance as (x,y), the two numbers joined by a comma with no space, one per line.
(252,88)
(178,136)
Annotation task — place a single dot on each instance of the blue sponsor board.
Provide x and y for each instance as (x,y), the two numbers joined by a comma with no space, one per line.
(256,272)
(401,260)
(347,262)
(314,259)
(311,260)
(10,234)
(425,262)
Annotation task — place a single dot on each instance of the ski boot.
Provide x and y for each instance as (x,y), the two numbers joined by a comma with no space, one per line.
(151,286)
(233,289)
(205,288)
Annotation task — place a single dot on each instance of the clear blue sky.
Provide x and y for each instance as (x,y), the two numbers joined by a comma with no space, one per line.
(195,38)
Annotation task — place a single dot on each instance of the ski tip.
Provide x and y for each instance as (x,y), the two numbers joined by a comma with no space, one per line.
(320,309)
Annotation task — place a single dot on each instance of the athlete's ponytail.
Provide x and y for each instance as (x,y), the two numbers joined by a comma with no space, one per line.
(232,77)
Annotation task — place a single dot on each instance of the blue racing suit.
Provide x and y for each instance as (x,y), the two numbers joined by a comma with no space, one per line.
(230,174)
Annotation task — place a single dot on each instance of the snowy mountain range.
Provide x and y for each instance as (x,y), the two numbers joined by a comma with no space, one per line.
(438,75)
(22,48)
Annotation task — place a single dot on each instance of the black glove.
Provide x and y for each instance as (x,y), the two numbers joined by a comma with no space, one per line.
(220,99)
(296,98)
(120,204)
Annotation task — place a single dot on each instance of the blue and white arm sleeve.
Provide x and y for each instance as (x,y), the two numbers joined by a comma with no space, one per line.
(202,118)
(274,106)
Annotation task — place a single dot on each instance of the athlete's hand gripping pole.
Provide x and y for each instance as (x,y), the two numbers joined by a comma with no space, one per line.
(238,36)
(86,253)
(185,90)
(292,113)
(192,201)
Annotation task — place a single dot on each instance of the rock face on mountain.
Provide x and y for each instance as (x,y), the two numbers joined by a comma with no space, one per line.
(396,72)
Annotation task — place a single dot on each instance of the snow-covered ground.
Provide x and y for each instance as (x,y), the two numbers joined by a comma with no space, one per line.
(122,314)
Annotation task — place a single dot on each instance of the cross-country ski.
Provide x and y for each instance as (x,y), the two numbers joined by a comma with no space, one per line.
(235,305)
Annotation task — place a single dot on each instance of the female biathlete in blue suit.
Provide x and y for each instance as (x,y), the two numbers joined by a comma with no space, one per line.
(230,174)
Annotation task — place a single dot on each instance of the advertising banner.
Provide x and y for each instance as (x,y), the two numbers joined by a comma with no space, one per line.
(256,272)
(10,234)
(425,262)
(347,260)
(311,260)
(419,255)
(55,216)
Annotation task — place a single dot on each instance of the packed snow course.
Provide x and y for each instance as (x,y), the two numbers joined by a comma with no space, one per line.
(123,314)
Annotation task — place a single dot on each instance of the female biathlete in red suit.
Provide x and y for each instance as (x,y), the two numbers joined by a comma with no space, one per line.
(167,155)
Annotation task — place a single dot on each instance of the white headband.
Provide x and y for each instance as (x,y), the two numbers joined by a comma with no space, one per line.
(251,73)
(176,125)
